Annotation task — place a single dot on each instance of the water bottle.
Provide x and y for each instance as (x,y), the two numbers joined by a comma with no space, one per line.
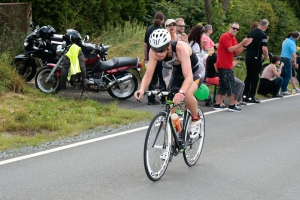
(176,122)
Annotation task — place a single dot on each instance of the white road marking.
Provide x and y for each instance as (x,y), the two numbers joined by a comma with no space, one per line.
(107,137)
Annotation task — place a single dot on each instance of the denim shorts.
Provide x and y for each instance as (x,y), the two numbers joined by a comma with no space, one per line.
(227,82)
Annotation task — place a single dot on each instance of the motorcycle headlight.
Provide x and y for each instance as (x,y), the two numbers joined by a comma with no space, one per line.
(25,44)
(59,50)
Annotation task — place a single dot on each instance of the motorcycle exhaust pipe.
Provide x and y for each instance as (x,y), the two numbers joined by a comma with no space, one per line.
(119,80)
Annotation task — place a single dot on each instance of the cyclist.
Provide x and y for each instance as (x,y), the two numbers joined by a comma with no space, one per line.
(185,74)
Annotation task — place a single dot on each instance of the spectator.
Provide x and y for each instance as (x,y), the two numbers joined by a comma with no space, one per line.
(211,72)
(228,46)
(298,65)
(170,25)
(207,42)
(194,38)
(180,27)
(267,84)
(294,68)
(288,57)
(213,78)
(254,60)
(254,25)
(158,21)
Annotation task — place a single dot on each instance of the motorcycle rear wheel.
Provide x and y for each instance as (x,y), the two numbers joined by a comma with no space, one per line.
(124,90)
(50,87)
(27,72)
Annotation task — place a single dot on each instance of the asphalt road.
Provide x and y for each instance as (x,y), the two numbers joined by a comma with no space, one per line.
(253,154)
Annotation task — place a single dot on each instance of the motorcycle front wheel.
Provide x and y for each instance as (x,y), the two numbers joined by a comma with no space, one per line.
(26,71)
(53,84)
(125,89)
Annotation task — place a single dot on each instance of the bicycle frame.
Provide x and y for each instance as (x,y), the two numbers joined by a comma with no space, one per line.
(163,141)
(180,141)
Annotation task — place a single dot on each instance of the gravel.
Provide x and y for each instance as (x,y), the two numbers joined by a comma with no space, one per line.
(84,136)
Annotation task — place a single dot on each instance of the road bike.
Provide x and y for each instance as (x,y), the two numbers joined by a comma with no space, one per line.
(162,138)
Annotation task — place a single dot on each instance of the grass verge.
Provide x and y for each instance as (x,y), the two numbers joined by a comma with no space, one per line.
(32,118)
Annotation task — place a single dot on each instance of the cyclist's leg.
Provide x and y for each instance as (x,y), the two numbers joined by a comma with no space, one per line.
(190,100)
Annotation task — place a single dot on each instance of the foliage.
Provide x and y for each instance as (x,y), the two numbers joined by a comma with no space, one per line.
(88,17)
(10,80)
(191,11)
(281,19)
(218,24)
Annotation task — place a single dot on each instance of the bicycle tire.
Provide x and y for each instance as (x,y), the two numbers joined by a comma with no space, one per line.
(158,139)
(194,148)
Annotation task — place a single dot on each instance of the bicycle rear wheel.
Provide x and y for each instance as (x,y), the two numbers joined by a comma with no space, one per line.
(157,141)
(194,147)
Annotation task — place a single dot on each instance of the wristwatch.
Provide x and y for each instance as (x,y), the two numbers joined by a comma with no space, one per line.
(181,92)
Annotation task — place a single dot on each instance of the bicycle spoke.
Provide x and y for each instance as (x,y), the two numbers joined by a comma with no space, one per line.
(194,146)
(156,144)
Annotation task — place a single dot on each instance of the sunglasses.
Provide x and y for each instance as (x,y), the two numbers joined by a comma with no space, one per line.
(235,28)
(171,25)
(160,49)
(181,26)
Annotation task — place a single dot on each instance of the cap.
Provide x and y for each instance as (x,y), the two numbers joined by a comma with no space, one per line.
(169,21)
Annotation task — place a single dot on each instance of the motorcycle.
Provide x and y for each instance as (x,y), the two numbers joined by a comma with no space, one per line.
(111,75)
(40,46)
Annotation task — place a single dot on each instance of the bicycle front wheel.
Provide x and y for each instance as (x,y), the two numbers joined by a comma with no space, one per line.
(157,147)
(194,147)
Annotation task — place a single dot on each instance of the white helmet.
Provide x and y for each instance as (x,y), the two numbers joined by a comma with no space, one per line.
(159,38)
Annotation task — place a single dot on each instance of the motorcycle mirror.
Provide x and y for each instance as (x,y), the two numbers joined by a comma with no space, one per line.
(86,38)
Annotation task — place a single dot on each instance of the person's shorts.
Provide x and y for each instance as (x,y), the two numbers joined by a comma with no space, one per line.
(227,82)
(177,80)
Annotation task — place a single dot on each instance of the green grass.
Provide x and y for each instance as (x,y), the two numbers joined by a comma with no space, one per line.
(33,118)
(29,117)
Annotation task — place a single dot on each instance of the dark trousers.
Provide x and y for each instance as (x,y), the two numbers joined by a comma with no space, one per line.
(251,81)
(156,75)
(269,87)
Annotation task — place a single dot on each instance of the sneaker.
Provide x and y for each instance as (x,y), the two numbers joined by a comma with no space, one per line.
(277,96)
(195,128)
(218,107)
(285,93)
(241,104)
(234,109)
(297,90)
(179,112)
(164,155)
(253,100)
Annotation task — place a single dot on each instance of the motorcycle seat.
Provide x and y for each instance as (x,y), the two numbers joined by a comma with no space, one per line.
(125,61)
(109,64)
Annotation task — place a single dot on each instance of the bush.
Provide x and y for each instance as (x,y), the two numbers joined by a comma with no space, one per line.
(10,80)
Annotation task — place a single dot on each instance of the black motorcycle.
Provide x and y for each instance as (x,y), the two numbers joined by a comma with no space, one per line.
(97,73)
(40,47)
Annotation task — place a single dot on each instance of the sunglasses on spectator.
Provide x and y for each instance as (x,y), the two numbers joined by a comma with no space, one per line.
(160,49)
(181,26)
(171,25)
(235,28)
